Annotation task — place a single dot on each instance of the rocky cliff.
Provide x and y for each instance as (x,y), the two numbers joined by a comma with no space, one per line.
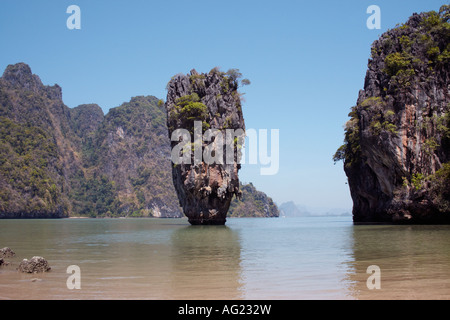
(133,151)
(205,189)
(396,152)
(253,203)
(37,157)
(59,162)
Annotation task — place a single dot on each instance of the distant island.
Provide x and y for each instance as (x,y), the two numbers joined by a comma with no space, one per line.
(292,210)
(396,151)
(58,162)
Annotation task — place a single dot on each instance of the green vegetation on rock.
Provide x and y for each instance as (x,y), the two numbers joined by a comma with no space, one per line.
(29,163)
(253,203)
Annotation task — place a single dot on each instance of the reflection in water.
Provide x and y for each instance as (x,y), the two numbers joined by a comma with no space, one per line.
(414,261)
(205,263)
(294,258)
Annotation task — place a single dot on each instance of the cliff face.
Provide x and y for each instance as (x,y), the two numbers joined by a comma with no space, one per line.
(58,162)
(134,152)
(204,189)
(37,157)
(253,203)
(396,152)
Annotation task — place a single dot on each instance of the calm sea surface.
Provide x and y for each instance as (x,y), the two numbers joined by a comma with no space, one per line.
(284,258)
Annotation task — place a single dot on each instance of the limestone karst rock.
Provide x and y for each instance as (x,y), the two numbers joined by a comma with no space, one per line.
(211,100)
(57,161)
(397,142)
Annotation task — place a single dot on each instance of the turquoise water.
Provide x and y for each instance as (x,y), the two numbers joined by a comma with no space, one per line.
(249,258)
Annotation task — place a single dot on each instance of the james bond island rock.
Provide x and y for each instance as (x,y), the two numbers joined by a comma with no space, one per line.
(202,109)
(397,143)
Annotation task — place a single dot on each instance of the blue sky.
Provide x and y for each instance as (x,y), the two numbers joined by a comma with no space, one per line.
(306,61)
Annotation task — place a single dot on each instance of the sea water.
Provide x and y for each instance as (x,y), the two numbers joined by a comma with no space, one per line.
(249,258)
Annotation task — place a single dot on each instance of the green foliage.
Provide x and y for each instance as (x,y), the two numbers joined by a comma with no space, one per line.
(405,42)
(376,127)
(216,70)
(141,172)
(140,175)
(433,53)
(340,154)
(444,12)
(440,183)
(189,109)
(405,182)
(383,121)
(245,82)
(444,57)
(228,123)
(253,203)
(437,186)
(95,197)
(436,46)
(234,74)
(432,19)
(29,162)
(350,151)
(390,127)
(225,85)
(143,175)
(396,62)
(194,111)
(430,146)
(389,115)
(372,101)
(403,78)
(130,118)
(417,181)
(443,124)
(197,80)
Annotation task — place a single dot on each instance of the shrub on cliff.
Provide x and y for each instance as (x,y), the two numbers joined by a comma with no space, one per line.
(253,203)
